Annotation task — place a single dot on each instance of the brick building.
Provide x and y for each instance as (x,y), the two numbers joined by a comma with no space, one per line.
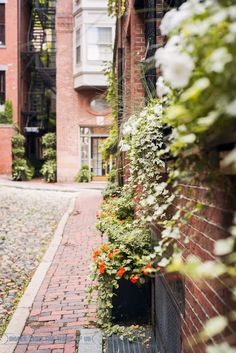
(179,307)
(55,51)
(12,33)
(85,35)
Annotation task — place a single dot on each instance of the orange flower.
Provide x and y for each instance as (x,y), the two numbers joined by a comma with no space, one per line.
(134,278)
(110,255)
(116,251)
(102,267)
(96,253)
(146,269)
(121,271)
(97,215)
(105,247)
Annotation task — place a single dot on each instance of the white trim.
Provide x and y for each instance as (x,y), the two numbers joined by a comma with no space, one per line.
(3,1)
(3,67)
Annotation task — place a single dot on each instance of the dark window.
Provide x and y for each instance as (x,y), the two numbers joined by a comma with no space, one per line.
(2,87)
(2,24)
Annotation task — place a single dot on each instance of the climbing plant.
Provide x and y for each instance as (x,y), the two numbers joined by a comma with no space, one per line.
(172,139)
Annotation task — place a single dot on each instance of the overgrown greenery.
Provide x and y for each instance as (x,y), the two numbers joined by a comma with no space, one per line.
(195,111)
(21,169)
(49,168)
(7,115)
(84,175)
(109,146)
(126,255)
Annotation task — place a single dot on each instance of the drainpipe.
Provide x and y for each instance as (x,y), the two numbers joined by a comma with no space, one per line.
(151,34)
(120,161)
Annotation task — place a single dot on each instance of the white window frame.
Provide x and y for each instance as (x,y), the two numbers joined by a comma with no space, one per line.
(98,44)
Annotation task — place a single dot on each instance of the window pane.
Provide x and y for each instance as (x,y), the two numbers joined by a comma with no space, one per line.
(77,34)
(104,35)
(105,52)
(100,35)
(78,55)
(93,52)
(2,87)
(2,13)
(2,24)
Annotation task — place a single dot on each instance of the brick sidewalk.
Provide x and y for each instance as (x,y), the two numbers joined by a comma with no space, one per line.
(60,307)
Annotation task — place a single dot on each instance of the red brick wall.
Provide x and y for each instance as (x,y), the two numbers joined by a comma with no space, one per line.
(6,133)
(209,298)
(9,56)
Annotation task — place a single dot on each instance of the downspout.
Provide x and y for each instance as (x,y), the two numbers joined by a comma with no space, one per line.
(120,161)
(151,34)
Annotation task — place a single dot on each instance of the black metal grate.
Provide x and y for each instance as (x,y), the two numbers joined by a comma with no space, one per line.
(115,344)
(168,306)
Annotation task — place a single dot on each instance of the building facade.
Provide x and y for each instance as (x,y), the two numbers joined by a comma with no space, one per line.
(85,36)
(10,36)
(56,51)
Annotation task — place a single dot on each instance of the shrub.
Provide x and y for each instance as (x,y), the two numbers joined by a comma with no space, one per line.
(112,175)
(21,169)
(84,175)
(7,115)
(49,168)
(111,190)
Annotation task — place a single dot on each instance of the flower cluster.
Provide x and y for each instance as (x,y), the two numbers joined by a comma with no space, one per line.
(199,57)
(118,262)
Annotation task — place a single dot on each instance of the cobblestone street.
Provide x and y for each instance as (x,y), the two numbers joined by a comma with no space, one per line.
(28,219)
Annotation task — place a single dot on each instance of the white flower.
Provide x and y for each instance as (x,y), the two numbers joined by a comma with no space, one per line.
(124,147)
(177,69)
(174,18)
(218,59)
(162,89)
(158,109)
(127,129)
(231,108)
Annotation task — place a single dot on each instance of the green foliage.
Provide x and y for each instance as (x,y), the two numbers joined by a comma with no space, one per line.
(21,169)
(84,175)
(111,190)
(49,168)
(49,140)
(126,255)
(113,9)
(109,146)
(7,115)
(49,171)
(112,175)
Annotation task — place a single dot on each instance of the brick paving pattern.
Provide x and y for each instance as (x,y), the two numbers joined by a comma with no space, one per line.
(60,307)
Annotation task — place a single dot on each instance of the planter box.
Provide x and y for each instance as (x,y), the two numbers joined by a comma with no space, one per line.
(132,304)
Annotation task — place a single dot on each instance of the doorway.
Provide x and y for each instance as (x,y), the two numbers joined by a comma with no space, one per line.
(90,155)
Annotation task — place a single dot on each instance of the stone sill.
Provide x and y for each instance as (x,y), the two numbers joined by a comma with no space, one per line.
(6,126)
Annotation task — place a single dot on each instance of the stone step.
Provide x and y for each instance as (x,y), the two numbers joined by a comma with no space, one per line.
(89,341)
